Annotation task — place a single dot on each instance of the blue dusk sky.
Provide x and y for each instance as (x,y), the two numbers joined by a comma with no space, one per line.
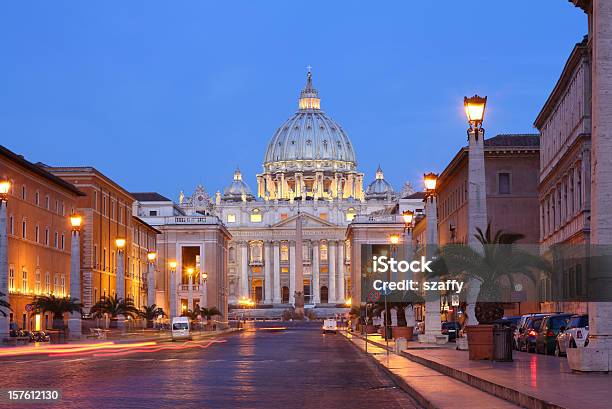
(161,96)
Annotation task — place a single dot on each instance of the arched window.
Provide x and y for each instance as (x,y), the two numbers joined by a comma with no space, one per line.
(350,214)
(284,252)
(256,216)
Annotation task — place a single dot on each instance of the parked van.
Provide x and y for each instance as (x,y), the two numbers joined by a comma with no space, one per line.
(180,328)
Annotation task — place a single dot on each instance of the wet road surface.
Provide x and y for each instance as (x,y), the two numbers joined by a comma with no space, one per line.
(297,367)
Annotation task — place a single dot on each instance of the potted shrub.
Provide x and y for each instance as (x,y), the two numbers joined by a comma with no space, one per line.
(498,260)
(208,313)
(369,327)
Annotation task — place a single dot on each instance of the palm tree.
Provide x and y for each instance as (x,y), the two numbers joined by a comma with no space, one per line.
(150,313)
(58,306)
(4,304)
(210,312)
(500,260)
(115,306)
(192,314)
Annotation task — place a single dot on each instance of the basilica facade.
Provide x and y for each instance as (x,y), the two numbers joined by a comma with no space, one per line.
(289,235)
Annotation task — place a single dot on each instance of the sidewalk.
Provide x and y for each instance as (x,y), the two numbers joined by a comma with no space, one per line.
(531,380)
(429,387)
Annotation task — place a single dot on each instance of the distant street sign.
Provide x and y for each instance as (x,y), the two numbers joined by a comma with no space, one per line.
(29,307)
(373,296)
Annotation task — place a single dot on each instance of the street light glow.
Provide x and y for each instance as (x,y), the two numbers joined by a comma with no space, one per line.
(190,271)
(172,264)
(5,186)
(430,180)
(204,276)
(120,242)
(75,221)
(151,255)
(408,215)
(394,238)
(475,109)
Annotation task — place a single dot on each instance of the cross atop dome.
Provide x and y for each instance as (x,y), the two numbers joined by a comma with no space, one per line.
(309,97)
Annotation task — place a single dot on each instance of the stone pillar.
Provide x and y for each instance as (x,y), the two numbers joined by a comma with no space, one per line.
(151,284)
(203,292)
(433,325)
(299,256)
(267,273)
(341,277)
(244,269)
(172,300)
(4,321)
(291,272)
(597,356)
(120,275)
(477,209)
(190,292)
(276,284)
(316,284)
(74,320)
(331,265)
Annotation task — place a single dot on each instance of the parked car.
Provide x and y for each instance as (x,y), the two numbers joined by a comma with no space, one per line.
(451,328)
(528,334)
(520,327)
(575,335)
(547,334)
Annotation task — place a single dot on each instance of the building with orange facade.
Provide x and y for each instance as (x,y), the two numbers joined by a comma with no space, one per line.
(38,208)
(106,208)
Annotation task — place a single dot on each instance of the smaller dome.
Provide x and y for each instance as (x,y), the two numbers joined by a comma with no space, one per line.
(238,190)
(380,189)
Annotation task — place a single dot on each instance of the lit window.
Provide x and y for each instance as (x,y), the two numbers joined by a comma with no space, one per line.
(231,218)
(283,216)
(11,283)
(323,251)
(37,282)
(323,216)
(47,283)
(24,281)
(63,285)
(256,216)
(284,252)
(350,214)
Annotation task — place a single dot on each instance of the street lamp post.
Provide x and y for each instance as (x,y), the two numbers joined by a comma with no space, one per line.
(477,200)
(433,326)
(408,217)
(394,239)
(151,256)
(172,265)
(5,187)
(120,276)
(74,320)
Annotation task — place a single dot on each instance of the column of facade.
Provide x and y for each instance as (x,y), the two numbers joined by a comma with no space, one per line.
(291,272)
(267,273)
(172,294)
(244,270)
(341,278)
(316,284)
(277,283)
(331,262)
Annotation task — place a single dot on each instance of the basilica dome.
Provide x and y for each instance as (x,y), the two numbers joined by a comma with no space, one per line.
(237,190)
(380,189)
(309,140)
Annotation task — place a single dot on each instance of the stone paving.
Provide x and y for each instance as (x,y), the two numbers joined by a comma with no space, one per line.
(532,380)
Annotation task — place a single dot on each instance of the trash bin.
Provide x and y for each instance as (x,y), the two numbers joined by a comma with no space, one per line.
(502,344)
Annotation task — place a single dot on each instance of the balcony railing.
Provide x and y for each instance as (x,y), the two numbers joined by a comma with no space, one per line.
(199,219)
(194,287)
(383,218)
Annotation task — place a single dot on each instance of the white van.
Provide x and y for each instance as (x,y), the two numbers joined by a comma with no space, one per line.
(330,325)
(180,328)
